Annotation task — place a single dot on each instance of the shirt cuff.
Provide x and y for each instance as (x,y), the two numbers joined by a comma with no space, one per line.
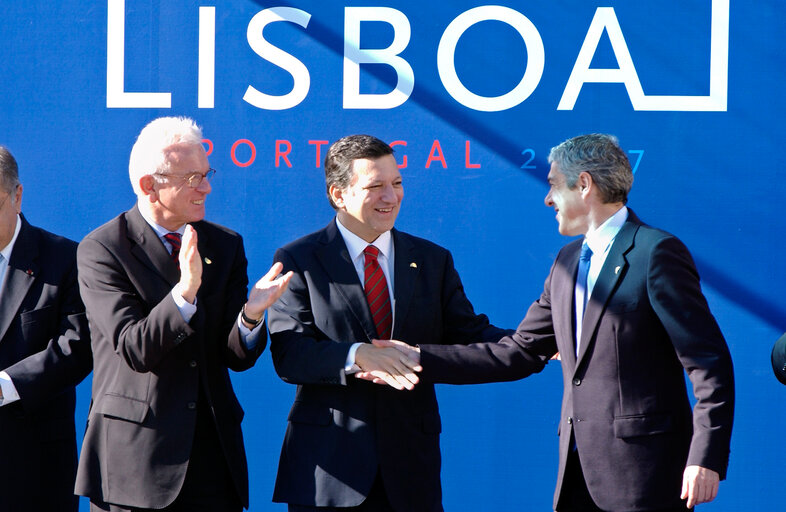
(186,309)
(250,337)
(10,395)
(350,366)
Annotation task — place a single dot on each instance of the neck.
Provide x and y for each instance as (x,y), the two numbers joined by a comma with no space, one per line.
(151,216)
(600,213)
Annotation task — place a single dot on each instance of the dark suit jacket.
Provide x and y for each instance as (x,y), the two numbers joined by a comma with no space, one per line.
(341,430)
(45,349)
(150,364)
(624,398)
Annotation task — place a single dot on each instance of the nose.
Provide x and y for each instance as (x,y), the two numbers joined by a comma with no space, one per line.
(204,186)
(548,200)
(389,194)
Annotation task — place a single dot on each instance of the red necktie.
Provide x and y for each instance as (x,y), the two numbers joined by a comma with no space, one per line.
(376,287)
(174,241)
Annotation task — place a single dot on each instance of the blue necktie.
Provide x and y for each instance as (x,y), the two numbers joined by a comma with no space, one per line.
(582,293)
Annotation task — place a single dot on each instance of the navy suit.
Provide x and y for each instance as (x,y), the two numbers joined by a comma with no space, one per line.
(155,375)
(45,349)
(342,431)
(625,402)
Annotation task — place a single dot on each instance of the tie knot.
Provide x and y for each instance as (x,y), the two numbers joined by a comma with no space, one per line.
(371,251)
(174,239)
(586,252)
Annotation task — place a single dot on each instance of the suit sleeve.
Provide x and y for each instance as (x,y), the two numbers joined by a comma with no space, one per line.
(676,297)
(141,336)
(302,354)
(511,357)
(67,358)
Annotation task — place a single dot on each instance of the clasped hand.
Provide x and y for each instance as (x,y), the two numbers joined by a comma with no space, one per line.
(390,362)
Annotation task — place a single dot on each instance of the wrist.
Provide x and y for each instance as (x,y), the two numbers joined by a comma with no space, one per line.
(248,320)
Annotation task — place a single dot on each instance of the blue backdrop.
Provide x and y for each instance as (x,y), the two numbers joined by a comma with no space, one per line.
(474,97)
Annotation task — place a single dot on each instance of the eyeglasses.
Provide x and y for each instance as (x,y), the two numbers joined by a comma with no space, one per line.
(194,179)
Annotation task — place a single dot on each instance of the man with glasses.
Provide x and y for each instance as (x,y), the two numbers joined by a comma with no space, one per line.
(44,354)
(165,293)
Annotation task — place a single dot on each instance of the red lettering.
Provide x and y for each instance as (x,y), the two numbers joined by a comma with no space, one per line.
(234,148)
(318,144)
(209,149)
(403,164)
(466,157)
(436,149)
(283,154)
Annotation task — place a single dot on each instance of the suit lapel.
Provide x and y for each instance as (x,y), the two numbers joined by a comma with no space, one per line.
(405,274)
(334,257)
(613,269)
(20,275)
(148,248)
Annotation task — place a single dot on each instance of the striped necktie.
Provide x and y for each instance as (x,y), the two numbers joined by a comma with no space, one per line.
(377,295)
(174,240)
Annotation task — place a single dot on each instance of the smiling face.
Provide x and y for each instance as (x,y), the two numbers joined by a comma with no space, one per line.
(172,202)
(369,205)
(569,203)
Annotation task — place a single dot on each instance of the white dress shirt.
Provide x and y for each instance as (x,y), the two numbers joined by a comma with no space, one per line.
(355,246)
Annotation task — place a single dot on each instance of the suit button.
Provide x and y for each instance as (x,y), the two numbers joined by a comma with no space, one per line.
(570,420)
(192,363)
(577,381)
(192,405)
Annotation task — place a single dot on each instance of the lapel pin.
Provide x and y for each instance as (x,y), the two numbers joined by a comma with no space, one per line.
(413,265)
(208,261)
(617,270)
(29,272)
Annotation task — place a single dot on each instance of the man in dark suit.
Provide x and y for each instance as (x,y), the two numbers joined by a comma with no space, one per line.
(628,438)
(778,359)
(351,445)
(165,293)
(44,354)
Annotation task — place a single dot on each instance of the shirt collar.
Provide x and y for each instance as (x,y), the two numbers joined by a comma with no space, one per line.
(160,231)
(599,240)
(355,244)
(8,249)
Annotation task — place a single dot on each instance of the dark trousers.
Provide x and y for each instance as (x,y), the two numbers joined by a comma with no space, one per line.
(575,496)
(208,485)
(376,501)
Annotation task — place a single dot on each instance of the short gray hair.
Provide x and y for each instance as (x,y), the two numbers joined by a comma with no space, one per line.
(9,172)
(602,157)
(149,154)
(338,162)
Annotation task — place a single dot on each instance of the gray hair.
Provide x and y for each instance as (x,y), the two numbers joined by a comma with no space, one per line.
(149,154)
(602,157)
(9,172)
(338,162)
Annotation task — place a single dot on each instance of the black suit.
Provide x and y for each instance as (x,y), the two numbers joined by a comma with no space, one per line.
(158,379)
(625,401)
(343,432)
(45,349)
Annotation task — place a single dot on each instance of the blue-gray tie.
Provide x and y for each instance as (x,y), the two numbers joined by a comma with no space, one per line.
(581,290)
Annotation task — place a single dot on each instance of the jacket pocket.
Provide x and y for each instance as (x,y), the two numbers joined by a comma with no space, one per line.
(124,408)
(642,425)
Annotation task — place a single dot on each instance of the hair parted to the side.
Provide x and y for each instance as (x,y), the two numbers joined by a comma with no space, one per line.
(602,157)
(9,172)
(149,153)
(338,162)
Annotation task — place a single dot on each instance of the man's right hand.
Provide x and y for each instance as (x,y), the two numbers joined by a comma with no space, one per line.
(190,266)
(384,363)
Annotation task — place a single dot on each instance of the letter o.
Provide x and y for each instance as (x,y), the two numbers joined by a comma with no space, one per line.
(446,53)
(253,152)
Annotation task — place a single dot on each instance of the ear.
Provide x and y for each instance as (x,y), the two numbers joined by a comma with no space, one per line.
(585,183)
(337,195)
(147,184)
(18,198)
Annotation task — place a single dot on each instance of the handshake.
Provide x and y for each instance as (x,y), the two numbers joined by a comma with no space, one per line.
(390,362)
